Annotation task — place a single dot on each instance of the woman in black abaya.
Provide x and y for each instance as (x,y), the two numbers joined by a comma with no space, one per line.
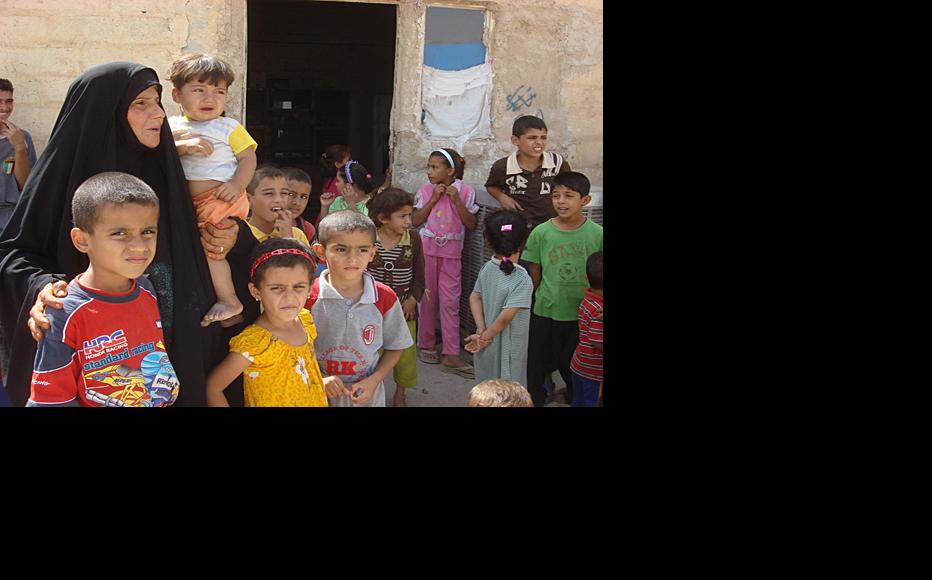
(92,134)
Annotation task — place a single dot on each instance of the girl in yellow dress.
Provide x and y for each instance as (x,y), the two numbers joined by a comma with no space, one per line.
(276,353)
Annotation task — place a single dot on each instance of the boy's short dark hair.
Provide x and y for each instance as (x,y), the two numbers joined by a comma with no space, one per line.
(574,181)
(283,260)
(499,393)
(344,221)
(6,85)
(201,68)
(265,171)
(525,123)
(109,187)
(296,174)
(594,270)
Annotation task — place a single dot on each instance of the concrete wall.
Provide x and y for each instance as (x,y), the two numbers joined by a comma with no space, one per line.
(46,44)
(549,48)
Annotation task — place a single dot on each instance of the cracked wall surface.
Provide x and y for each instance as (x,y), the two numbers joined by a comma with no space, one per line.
(46,44)
(546,56)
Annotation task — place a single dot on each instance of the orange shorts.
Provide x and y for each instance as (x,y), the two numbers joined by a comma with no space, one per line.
(210,209)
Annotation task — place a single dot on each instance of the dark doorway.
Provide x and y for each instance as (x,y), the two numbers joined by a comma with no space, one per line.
(320,73)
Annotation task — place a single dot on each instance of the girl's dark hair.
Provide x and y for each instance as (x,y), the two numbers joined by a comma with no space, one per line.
(358,176)
(333,154)
(505,231)
(387,203)
(459,163)
(283,260)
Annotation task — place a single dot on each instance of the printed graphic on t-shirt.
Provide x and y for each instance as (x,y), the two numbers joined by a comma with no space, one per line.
(153,384)
(565,258)
(518,185)
(345,361)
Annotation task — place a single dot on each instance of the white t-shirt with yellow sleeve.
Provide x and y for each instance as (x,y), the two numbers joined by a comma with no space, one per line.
(228,137)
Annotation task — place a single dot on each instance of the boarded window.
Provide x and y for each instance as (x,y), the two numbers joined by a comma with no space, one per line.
(454,38)
(457,80)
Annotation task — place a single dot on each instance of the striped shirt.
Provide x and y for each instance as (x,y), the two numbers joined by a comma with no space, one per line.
(587,360)
(401,268)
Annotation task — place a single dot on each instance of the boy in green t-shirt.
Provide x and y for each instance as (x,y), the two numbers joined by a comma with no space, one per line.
(557,250)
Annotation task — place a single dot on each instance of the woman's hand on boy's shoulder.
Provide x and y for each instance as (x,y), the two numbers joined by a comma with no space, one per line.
(50,295)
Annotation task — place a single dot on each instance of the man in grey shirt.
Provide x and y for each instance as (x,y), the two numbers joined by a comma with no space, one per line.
(17,154)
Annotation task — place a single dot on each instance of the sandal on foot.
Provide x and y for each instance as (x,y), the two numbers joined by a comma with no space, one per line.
(430,357)
(465,371)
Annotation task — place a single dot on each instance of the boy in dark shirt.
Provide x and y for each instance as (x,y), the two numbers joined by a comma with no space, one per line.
(522,181)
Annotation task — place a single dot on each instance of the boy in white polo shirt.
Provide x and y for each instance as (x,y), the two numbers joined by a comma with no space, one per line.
(355,315)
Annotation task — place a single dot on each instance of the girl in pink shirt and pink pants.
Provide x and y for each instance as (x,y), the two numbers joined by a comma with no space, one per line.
(445,207)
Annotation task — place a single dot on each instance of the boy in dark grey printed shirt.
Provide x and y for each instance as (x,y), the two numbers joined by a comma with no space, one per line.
(522,181)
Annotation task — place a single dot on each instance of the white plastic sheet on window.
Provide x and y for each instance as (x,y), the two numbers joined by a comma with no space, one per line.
(456,103)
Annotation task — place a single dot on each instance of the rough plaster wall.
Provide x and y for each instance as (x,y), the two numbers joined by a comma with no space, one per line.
(549,48)
(552,47)
(46,44)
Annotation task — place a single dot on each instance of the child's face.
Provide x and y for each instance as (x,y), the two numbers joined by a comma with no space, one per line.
(283,291)
(270,196)
(122,244)
(201,101)
(566,202)
(145,117)
(6,105)
(399,220)
(532,143)
(439,170)
(300,193)
(347,254)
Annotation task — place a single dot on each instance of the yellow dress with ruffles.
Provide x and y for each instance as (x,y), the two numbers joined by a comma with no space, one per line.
(279,374)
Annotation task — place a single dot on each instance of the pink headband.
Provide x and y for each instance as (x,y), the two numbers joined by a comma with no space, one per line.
(278,252)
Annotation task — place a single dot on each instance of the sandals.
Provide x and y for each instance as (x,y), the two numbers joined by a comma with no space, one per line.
(430,357)
(465,371)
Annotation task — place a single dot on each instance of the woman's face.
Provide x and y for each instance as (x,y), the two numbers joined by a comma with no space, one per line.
(145,117)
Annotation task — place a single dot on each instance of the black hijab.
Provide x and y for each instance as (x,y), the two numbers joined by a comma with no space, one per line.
(92,135)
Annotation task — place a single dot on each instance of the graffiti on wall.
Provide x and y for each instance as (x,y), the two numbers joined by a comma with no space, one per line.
(520,98)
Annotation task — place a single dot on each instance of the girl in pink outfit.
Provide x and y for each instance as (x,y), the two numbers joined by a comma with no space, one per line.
(448,206)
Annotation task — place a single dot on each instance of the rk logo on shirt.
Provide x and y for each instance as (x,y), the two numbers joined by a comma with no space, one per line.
(340,367)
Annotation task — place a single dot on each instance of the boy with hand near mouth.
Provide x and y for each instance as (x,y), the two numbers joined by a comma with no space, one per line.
(269,198)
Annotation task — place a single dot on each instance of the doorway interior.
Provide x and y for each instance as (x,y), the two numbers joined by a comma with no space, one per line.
(320,73)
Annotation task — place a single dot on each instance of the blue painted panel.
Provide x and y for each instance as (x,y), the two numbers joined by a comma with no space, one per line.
(454,56)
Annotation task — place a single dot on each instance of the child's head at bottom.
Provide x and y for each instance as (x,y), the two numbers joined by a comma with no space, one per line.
(281,276)
(346,240)
(499,393)
(116,218)
(505,231)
